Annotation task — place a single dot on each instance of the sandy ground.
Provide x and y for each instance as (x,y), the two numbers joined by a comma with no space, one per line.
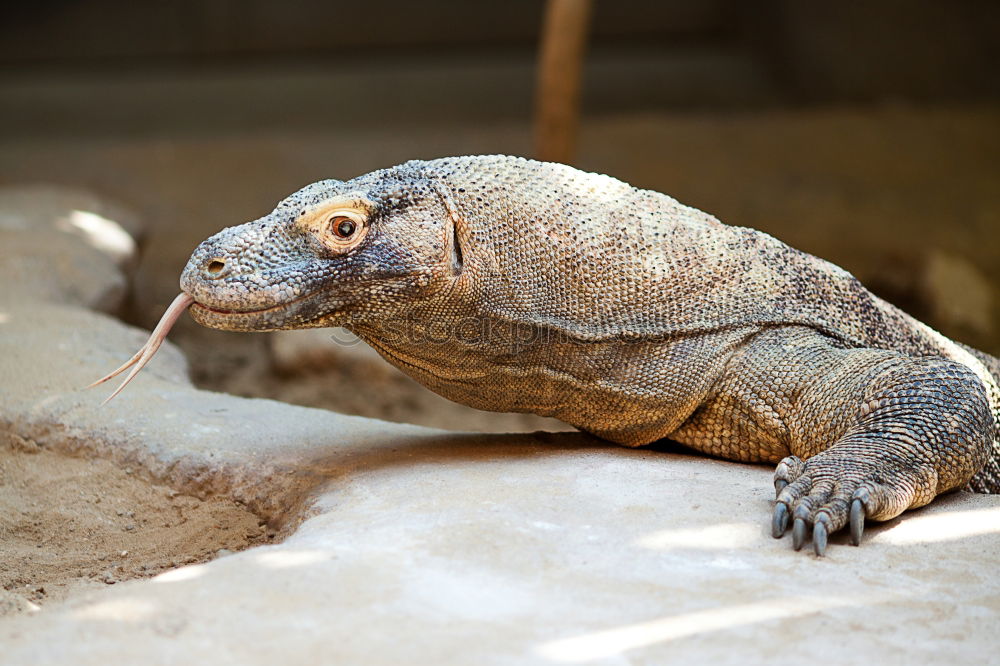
(68,525)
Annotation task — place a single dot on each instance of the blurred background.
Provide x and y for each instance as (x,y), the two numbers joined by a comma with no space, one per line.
(867,133)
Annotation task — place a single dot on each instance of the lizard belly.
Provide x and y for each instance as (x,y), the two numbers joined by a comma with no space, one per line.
(631,393)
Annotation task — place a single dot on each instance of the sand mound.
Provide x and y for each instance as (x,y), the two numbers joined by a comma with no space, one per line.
(68,524)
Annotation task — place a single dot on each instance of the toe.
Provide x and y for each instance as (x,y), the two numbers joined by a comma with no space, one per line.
(857,520)
(779,485)
(779,521)
(787,471)
(798,533)
(819,536)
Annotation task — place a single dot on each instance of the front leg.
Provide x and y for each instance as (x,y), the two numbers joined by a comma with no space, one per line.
(863,432)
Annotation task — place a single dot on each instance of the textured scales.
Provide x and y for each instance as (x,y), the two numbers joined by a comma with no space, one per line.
(513,285)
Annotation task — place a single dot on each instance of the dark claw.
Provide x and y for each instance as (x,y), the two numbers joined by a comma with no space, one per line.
(779,485)
(857,521)
(798,533)
(819,538)
(779,522)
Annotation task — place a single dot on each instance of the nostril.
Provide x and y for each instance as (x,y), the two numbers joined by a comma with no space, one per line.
(215,266)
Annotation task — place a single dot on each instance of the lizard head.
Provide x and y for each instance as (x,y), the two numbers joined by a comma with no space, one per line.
(332,253)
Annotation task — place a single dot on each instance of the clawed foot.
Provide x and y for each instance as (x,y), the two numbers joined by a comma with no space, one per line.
(821,525)
(825,494)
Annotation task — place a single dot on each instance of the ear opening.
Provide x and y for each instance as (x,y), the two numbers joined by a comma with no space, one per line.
(456,249)
(454,239)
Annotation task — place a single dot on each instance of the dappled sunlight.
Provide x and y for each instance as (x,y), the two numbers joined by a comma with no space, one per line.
(710,537)
(283,559)
(122,610)
(103,234)
(946,526)
(4,317)
(602,644)
(178,575)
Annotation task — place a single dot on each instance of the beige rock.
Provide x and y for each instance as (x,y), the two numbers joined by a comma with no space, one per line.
(14,604)
(316,348)
(54,267)
(56,242)
(107,226)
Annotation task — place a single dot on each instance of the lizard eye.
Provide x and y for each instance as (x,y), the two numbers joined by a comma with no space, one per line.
(343,227)
(340,227)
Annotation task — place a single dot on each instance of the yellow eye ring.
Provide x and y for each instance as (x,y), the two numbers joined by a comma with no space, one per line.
(340,230)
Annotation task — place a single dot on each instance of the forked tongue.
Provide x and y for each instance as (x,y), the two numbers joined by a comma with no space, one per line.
(156,338)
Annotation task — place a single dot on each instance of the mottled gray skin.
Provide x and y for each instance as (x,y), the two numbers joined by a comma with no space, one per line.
(513,285)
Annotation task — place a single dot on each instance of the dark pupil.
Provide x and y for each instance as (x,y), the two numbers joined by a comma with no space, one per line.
(345,228)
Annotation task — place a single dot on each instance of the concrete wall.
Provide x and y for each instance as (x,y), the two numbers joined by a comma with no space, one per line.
(805,51)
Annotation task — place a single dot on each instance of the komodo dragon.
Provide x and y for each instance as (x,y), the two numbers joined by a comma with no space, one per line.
(513,285)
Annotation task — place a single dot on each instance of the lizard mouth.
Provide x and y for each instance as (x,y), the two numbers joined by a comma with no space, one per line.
(297,311)
(196,306)
(270,318)
(199,306)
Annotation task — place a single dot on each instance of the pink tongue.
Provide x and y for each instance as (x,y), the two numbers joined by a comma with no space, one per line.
(156,338)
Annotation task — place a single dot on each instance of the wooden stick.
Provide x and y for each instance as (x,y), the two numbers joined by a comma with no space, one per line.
(557,101)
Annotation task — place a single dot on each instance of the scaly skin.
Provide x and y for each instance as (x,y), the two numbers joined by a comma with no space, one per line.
(512,285)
